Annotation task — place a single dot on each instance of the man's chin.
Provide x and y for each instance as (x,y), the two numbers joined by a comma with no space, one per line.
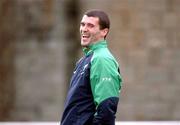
(84,44)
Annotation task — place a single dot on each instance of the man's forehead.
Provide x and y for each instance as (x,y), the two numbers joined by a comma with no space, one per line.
(90,19)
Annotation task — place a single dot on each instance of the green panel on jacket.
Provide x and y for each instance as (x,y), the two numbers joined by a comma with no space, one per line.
(104,76)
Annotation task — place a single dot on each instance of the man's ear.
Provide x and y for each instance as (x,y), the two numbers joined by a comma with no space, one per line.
(105,32)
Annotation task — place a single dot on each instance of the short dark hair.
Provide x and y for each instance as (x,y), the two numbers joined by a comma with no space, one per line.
(104,21)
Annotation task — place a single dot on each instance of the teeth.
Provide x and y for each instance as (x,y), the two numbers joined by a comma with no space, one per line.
(85,36)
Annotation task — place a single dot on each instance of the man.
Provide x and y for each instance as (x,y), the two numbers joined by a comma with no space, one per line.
(96,82)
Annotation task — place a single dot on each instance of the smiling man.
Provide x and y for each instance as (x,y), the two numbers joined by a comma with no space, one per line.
(96,82)
(90,30)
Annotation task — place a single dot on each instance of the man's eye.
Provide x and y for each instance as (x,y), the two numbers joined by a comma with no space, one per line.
(90,25)
(82,24)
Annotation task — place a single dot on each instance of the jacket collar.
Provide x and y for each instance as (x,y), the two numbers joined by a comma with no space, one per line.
(91,48)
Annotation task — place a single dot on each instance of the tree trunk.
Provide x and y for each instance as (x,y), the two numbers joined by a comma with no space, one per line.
(7,37)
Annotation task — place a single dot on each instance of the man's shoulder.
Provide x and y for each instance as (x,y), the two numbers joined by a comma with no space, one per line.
(104,57)
(103,54)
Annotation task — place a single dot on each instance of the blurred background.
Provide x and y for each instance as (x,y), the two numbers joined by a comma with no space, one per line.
(39,45)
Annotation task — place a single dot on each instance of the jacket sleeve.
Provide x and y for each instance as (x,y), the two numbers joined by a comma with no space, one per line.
(105,85)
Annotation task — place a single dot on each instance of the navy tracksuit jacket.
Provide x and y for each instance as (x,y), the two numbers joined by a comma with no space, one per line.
(94,89)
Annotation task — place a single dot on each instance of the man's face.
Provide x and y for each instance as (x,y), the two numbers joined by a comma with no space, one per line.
(90,30)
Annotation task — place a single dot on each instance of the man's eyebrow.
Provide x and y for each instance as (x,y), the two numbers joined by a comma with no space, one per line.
(91,24)
(87,23)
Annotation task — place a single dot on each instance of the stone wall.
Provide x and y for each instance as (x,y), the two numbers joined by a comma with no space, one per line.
(39,61)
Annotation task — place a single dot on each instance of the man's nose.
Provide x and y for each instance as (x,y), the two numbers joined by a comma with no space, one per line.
(84,28)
